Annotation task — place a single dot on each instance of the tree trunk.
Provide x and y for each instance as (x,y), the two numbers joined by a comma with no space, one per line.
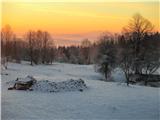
(106,75)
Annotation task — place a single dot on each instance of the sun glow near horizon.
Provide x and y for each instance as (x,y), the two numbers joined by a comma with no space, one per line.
(75,18)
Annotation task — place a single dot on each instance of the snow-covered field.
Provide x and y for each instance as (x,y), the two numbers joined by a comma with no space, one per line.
(101,101)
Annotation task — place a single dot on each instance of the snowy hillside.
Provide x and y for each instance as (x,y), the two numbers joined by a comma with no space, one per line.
(101,101)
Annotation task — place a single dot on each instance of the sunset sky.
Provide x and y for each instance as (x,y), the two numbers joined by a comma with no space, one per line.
(70,22)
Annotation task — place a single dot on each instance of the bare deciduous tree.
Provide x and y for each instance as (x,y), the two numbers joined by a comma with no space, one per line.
(6,37)
(31,44)
(137,28)
(47,43)
(85,51)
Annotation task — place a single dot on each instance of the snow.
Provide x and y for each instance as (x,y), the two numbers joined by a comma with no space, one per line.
(69,85)
(22,80)
(50,86)
(118,75)
(100,101)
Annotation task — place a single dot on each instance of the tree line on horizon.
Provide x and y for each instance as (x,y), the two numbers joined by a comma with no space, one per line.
(135,51)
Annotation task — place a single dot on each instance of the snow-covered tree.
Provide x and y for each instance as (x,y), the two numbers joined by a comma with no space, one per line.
(106,57)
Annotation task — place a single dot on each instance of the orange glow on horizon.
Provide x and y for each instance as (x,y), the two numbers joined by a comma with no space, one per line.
(75,18)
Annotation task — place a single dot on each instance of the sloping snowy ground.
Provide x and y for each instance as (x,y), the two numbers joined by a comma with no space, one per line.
(101,101)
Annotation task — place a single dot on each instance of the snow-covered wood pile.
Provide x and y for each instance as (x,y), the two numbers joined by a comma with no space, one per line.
(69,85)
(23,83)
(30,83)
